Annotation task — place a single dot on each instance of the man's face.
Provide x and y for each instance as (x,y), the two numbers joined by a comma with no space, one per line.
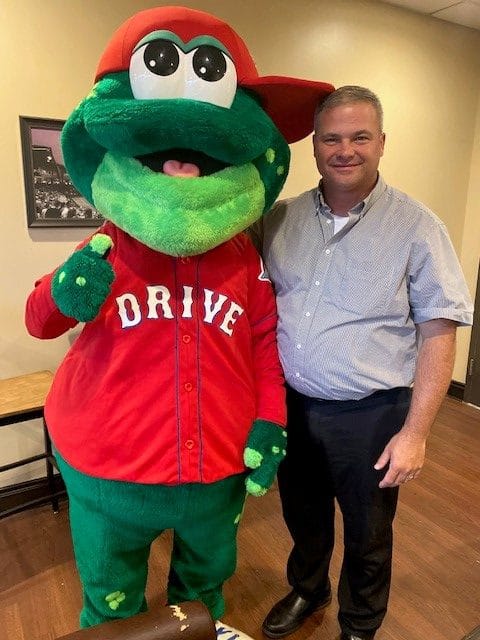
(348,144)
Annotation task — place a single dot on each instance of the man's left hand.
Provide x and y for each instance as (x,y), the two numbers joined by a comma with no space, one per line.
(405,455)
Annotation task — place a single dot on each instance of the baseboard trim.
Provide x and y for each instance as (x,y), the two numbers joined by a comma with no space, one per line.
(15,495)
(456,389)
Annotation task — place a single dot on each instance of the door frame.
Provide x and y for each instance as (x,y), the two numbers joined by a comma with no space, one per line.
(472,383)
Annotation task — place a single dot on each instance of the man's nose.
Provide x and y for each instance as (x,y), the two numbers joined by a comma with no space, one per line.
(345,149)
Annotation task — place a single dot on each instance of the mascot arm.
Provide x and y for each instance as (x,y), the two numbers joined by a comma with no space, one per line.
(45,318)
(265,447)
(42,317)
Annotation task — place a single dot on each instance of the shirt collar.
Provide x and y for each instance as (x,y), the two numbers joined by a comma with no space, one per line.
(359,209)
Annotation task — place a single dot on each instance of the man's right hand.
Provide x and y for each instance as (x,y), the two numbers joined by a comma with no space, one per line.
(82,284)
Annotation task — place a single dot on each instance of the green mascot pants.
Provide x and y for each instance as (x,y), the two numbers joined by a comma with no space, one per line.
(114,523)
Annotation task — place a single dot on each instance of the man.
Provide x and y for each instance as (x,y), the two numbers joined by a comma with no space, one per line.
(361,271)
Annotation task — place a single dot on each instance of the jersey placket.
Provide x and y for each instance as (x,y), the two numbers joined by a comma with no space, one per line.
(188,382)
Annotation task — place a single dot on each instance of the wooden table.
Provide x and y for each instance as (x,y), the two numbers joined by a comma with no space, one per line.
(22,398)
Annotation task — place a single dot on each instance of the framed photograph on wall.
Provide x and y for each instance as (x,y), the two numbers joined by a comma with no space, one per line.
(51,198)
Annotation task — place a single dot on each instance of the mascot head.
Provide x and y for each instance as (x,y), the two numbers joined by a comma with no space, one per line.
(181,143)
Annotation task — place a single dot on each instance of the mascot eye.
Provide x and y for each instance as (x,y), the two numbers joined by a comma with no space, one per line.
(210,76)
(209,63)
(161,57)
(157,71)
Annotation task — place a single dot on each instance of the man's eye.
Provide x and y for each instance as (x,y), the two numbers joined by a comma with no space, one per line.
(362,139)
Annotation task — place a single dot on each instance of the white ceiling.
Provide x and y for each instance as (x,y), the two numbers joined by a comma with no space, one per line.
(466,12)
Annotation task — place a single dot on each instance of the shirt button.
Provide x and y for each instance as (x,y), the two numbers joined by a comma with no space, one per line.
(317,282)
(188,386)
(189,444)
(299,346)
(186,339)
(327,251)
(297,374)
(329,222)
(308,314)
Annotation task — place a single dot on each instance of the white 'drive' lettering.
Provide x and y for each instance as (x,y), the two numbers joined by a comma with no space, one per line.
(158,306)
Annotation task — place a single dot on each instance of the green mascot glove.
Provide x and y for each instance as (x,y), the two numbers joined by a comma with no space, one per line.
(264,451)
(81,285)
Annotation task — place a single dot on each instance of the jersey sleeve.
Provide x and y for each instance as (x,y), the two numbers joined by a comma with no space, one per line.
(42,317)
(262,313)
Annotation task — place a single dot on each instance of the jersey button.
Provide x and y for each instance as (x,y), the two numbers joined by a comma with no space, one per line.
(189,444)
(188,386)
(186,339)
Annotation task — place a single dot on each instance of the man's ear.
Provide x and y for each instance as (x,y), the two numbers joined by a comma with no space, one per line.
(383,142)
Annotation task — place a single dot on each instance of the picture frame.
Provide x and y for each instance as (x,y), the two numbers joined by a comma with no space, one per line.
(51,199)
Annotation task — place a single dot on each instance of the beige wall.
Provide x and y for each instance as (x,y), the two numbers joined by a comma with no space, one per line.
(427,72)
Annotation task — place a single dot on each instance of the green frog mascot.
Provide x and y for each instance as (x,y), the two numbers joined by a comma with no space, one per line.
(169,407)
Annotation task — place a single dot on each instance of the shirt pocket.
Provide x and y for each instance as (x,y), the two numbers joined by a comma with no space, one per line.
(365,287)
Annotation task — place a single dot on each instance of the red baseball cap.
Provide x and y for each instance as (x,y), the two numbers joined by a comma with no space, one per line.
(290,102)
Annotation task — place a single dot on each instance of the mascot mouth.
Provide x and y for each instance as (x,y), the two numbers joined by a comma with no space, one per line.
(176,216)
(185,163)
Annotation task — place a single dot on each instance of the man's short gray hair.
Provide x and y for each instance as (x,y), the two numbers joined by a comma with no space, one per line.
(348,95)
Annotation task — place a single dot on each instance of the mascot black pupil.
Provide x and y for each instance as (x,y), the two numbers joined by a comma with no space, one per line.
(161,57)
(209,63)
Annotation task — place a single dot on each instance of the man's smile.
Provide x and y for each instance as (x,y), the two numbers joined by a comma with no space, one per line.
(345,167)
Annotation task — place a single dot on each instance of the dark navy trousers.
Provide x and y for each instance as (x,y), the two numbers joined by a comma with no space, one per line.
(331,449)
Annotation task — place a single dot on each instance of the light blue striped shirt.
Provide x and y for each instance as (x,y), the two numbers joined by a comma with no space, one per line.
(348,302)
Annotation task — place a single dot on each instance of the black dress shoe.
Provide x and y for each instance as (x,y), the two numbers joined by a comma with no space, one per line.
(351,636)
(290,613)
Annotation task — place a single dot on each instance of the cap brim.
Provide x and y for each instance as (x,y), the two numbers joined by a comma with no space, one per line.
(290,102)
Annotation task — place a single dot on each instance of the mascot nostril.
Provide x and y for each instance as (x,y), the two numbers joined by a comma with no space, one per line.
(169,407)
